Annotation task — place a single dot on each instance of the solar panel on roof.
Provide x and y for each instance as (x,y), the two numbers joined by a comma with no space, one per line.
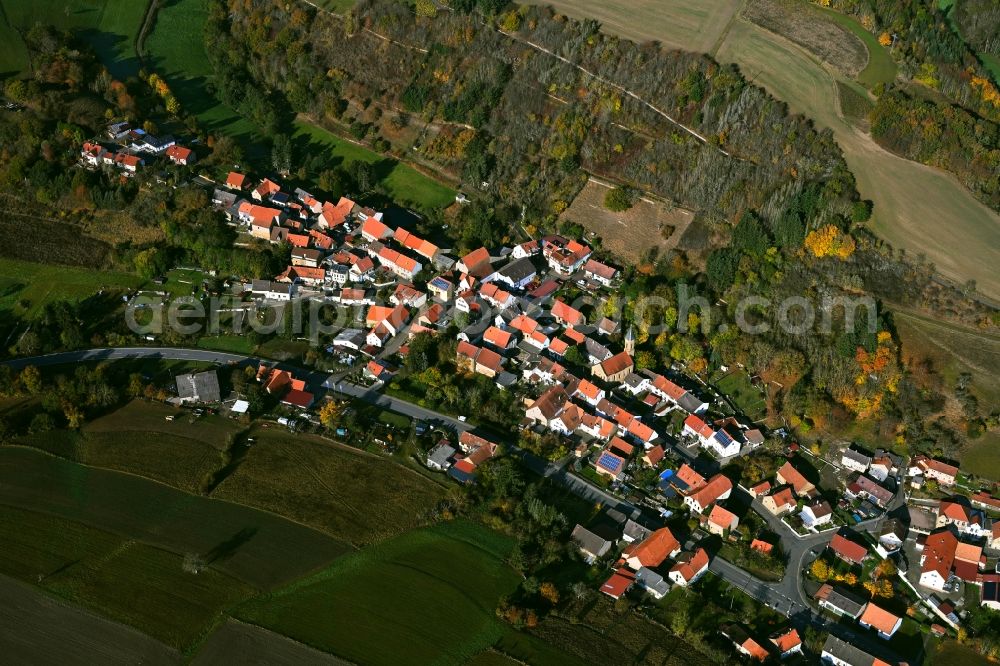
(723,437)
(609,461)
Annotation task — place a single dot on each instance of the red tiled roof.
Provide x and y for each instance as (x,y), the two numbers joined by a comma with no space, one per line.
(698,425)
(566,314)
(654,455)
(267,188)
(621,446)
(787,641)
(335,215)
(690,564)
(601,270)
(847,549)
(792,476)
(372,228)
(179,153)
(655,548)
(690,477)
(619,583)
(235,180)
(879,618)
(721,517)
(716,487)
(616,364)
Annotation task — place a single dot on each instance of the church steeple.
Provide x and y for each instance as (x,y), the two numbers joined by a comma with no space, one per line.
(630,342)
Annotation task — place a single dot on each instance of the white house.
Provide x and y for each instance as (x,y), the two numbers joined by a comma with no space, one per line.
(816,515)
(722,444)
(855,461)
(689,568)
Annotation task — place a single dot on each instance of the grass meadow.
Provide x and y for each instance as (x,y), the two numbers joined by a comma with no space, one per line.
(120,578)
(353,496)
(403,184)
(38,284)
(175,50)
(429,594)
(950,350)
(258,548)
(109,26)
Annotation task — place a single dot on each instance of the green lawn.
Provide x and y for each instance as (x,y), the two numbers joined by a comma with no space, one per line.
(404,184)
(131,582)
(39,284)
(234,344)
(109,26)
(983,456)
(427,596)
(737,386)
(992,63)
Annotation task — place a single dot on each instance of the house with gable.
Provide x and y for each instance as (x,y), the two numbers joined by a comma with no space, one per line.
(689,568)
(651,551)
(719,487)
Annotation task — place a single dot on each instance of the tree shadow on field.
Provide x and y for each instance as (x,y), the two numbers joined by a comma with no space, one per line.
(230,546)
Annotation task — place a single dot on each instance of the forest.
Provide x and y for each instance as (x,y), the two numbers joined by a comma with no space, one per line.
(519,124)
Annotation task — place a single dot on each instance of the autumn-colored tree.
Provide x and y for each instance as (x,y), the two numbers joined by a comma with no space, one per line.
(829,241)
(879,588)
(32,379)
(820,570)
(73,414)
(549,592)
(885,569)
(885,39)
(328,414)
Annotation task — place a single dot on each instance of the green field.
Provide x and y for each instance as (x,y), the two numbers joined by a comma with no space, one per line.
(175,51)
(109,26)
(353,496)
(258,548)
(403,184)
(138,439)
(39,284)
(131,582)
(429,595)
(881,68)
(234,344)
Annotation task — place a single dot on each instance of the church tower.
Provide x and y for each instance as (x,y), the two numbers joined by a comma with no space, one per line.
(630,342)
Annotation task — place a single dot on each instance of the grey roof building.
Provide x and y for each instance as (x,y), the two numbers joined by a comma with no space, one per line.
(590,544)
(517,273)
(652,582)
(842,653)
(635,532)
(839,601)
(440,456)
(200,387)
